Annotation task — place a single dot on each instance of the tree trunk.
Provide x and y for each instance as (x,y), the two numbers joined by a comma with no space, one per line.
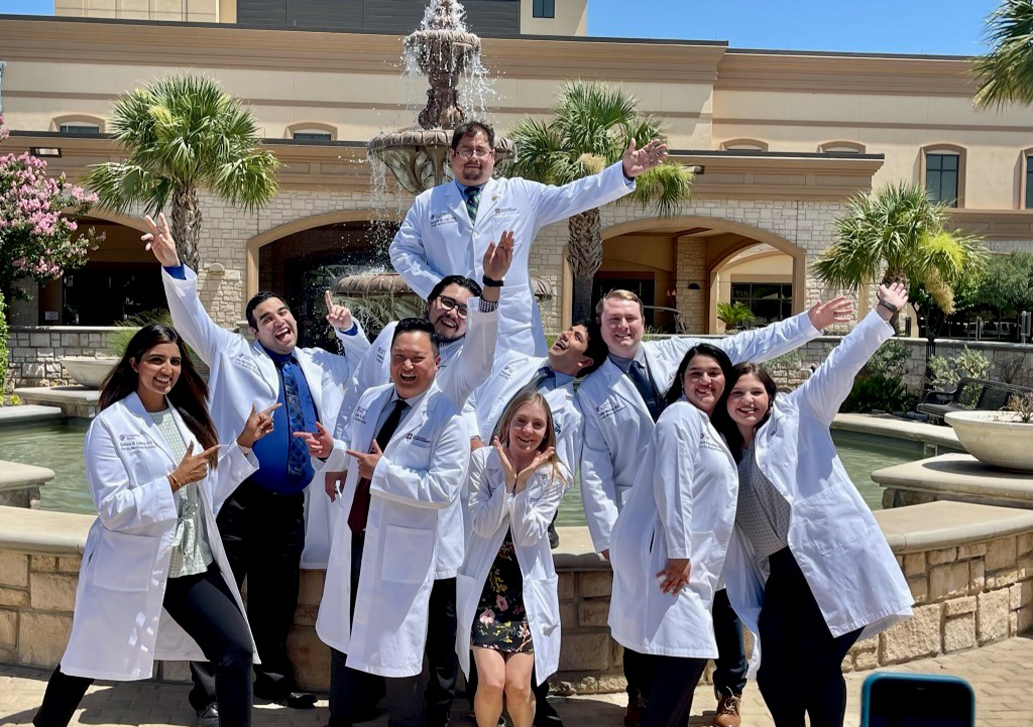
(186,226)
(585,255)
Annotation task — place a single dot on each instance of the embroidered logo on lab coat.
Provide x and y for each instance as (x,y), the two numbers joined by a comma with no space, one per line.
(442,218)
(133,442)
(244,361)
(609,409)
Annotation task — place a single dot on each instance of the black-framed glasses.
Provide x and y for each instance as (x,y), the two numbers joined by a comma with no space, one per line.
(449,303)
(479,153)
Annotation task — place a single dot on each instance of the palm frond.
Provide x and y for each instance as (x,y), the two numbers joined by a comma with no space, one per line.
(119,185)
(594,118)
(248,181)
(1006,73)
(664,187)
(542,155)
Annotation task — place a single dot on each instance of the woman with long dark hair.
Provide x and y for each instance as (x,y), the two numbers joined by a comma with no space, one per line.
(154,582)
(808,570)
(668,545)
(507,597)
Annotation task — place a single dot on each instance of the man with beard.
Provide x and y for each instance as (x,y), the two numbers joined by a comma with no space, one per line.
(449,226)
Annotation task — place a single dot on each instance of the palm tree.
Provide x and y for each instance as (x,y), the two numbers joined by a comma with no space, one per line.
(1006,72)
(591,127)
(735,315)
(182,135)
(899,232)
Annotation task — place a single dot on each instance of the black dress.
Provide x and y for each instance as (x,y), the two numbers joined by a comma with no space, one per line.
(501,621)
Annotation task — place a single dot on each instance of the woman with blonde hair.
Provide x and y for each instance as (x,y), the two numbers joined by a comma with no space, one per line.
(507,600)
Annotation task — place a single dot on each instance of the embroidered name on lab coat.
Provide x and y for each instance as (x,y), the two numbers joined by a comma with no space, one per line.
(442,218)
(244,361)
(418,439)
(359,414)
(608,410)
(706,442)
(133,442)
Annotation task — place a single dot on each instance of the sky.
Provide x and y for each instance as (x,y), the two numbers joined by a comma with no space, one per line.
(938,27)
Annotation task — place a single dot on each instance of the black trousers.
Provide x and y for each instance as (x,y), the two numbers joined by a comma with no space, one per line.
(674,680)
(801,661)
(441,652)
(204,607)
(354,693)
(638,673)
(263,533)
(730,666)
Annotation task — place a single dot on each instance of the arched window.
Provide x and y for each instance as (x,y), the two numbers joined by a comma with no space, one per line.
(943,173)
(77,124)
(744,145)
(312,131)
(841,147)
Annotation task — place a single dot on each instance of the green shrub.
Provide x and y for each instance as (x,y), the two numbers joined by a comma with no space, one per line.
(735,315)
(948,370)
(882,393)
(890,360)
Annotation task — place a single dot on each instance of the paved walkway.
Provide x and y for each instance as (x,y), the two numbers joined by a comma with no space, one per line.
(1000,674)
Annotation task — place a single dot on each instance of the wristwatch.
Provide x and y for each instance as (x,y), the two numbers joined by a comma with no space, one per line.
(889,306)
(490,283)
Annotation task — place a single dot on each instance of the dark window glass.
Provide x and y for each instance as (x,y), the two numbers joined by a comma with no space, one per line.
(312,136)
(941,178)
(79,128)
(544,8)
(1029,182)
(769,302)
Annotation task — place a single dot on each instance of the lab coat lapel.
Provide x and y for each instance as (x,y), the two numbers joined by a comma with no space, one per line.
(135,407)
(269,374)
(486,204)
(313,377)
(621,385)
(457,206)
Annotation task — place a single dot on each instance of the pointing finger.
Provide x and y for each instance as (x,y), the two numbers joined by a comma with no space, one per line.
(376,448)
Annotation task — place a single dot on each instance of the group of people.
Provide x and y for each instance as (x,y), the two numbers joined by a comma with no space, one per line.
(424,471)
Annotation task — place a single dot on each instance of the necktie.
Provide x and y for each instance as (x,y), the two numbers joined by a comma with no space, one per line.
(544,377)
(472,195)
(297,450)
(640,378)
(359,513)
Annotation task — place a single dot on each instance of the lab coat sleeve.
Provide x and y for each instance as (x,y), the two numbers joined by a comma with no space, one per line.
(470,414)
(764,344)
(475,360)
(598,494)
(533,508)
(366,374)
(408,256)
(569,447)
(553,204)
(355,344)
(234,467)
(675,449)
(120,505)
(831,383)
(436,487)
(487,499)
(192,321)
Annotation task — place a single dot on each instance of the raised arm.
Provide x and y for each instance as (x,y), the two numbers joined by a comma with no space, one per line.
(831,383)
(409,258)
(367,373)
(764,344)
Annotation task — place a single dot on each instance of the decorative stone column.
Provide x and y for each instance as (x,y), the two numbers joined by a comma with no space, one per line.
(692,284)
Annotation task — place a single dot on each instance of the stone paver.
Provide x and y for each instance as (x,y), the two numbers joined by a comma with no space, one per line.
(999,674)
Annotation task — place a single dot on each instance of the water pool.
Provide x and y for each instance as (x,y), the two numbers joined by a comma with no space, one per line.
(59,447)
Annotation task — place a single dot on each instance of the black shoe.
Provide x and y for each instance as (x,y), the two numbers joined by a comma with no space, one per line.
(554,537)
(208,716)
(545,715)
(294,700)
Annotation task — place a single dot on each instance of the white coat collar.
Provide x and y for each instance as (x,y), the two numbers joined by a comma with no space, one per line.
(613,379)
(135,407)
(457,206)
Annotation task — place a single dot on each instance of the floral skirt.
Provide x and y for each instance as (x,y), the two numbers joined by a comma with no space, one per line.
(501,621)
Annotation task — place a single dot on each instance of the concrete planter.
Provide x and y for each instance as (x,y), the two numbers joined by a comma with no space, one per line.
(995,437)
(88,372)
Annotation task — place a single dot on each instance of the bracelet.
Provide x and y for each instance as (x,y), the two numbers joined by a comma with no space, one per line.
(889,306)
(490,283)
(175,483)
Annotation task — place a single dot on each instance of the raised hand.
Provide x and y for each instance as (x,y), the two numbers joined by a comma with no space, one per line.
(320,444)
(192,468)
(159,241)
(637,161)
(837,310)
(675,576)
(258,424)
(892,298)
(498,258)
(367,460)
(507,466)
(337,316)
(525,474)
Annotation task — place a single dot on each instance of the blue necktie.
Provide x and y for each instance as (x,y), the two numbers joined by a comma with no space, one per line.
(647,390)
(297,452)
(472,195)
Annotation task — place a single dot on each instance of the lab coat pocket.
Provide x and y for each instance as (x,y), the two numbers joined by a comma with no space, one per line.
(409,553)
(545,594)
(829,521)
(124,562)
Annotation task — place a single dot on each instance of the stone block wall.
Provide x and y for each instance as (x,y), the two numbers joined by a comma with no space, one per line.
(37,596)
(36,352)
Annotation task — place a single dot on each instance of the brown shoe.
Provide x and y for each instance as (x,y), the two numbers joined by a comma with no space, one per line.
(728,712)
(636,711)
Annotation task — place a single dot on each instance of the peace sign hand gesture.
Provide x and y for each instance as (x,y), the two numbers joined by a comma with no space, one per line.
(159,241)
(338,316)
(641,160)
(525,475)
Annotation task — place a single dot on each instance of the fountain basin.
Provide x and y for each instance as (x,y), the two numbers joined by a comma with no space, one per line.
(88,372)
(995,437)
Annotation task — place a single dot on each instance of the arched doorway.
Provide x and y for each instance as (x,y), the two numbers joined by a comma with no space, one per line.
(302,259)
(672,263)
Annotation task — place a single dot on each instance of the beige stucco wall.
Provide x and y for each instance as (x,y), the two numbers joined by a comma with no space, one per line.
(194,11)
(571,19)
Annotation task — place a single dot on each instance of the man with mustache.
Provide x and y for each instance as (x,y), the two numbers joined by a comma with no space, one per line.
(448,227)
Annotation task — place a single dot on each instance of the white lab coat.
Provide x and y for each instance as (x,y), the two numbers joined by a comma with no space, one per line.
(832,534)
(512,371)
(618,426)
(422,471)
(682,506)
(243,374)
(437,239)
(464,365)
(527,514)
(119,627)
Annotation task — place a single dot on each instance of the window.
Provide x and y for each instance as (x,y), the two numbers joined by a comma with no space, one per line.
(544,8)
(770,302)
(841,147)
(941,178)
(744,145)
(1029,181)
(312,136)
(79,128)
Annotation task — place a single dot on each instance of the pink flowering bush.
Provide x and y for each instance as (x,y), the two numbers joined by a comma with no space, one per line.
(37,237)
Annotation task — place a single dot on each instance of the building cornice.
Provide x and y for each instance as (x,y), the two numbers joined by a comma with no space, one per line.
(994,224)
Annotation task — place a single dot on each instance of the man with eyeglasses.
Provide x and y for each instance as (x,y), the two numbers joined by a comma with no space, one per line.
(465,320)
(448,227)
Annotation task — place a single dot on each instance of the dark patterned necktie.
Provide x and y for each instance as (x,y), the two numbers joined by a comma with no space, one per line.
(640,378)
(472,195)
(297,450)
(359,513)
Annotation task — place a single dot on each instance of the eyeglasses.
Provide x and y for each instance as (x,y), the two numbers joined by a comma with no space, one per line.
(449,303)
(479,153)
